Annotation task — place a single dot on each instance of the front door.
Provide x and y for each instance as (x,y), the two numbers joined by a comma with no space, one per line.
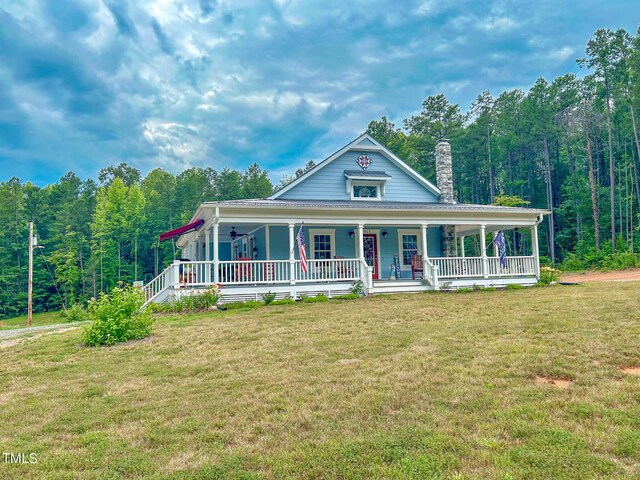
(371,252)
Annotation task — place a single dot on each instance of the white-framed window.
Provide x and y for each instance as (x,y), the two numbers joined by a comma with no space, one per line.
(409,244)
(366,190)
(323,243)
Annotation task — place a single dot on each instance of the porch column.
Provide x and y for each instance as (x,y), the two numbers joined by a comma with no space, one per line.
(207,255)
(424,241)
(462,246)
(267,242)
(483,251)
(361,242)
(535,251)
(292,257)
(216,254)
(495,245)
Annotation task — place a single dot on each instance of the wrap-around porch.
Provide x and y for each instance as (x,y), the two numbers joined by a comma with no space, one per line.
(249,259)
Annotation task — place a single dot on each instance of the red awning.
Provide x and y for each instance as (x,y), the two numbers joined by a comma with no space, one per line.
(179,231)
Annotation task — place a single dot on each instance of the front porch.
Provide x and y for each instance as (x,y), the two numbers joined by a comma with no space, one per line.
(379,257)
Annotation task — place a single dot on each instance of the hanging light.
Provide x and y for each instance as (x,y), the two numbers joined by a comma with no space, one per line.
(351,234)
(385,234)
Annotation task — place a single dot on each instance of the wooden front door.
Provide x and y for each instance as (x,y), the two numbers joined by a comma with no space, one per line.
(371,252)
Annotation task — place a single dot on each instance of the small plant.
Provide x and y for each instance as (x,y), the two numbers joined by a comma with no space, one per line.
(250,304)
(465,290)
(117,317)
(514,286)
(284,301)
(357,288)
(268,297)
(347,296)
(549,275)
(75,313)
(316,299)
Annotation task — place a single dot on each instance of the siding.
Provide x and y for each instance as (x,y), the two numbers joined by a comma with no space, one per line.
(329,183)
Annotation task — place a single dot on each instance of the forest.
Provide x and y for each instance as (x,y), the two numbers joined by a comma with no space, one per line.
(569,145)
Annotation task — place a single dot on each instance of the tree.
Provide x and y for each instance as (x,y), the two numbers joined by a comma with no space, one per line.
(256,183)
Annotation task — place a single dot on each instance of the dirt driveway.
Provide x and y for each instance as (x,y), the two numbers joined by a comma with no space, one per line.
(615,276)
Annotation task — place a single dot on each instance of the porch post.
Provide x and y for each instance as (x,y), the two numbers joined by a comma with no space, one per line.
(216,254)
(267,242)
(462,246)
(361,242)
(483,248)
(292,257)
(495,245)
(424,241)
(207,255)
(535,251)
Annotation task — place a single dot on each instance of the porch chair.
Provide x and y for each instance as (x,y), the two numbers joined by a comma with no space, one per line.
(342,270)
(417,266)
(243,271)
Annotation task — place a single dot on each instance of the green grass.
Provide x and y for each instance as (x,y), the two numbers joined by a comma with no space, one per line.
(47,318)
(398,386)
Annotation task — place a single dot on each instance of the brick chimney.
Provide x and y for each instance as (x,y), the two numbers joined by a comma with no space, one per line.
(444,178)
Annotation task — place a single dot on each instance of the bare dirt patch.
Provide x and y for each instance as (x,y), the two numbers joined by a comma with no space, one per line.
(554,382)
(630,275)
(631,369)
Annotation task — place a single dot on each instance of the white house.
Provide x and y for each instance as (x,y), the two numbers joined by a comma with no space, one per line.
(368,217)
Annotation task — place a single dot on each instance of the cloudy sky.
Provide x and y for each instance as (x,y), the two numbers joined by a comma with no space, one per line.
(179,83)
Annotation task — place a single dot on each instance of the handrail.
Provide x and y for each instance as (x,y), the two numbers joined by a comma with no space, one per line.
(158,285)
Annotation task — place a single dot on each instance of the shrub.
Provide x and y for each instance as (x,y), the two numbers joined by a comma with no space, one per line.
(515,286)
(316,299)
(620,261)
(347,296)
(195,301)
(268,297)
(117,317)
(464,290)
(284,301)
(549,275)
(357,288)
(75,313)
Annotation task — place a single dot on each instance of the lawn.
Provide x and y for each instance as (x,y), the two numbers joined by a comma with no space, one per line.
(47,318)
(408,386)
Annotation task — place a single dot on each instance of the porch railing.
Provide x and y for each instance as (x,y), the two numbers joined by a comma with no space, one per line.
(335,269)
(470,267)
(239,272)
(159,284)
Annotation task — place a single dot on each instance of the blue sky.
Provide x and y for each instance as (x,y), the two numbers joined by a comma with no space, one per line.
(174,84)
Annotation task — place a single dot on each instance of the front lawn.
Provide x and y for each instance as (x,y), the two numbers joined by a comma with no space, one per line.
(39,319)
(505,384)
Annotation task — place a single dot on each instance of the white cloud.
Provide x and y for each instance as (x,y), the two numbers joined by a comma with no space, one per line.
(562,54)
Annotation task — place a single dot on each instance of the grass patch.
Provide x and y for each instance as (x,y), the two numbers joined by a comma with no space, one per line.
(39,319)
(397,386)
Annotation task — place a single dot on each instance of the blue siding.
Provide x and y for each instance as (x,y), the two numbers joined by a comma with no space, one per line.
(329,183)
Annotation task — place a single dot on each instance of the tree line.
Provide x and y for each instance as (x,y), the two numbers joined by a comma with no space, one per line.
(569,145)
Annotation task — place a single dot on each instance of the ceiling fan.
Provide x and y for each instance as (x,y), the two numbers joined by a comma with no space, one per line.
(233,234)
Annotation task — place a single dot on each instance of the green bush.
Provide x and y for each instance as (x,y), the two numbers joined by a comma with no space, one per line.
(316,299)
(117,317)
(549,275)
(620,261)
(75,313)
(268,297)
(284,301)
(464,290)
(515,286)
(347,296)
(357,288)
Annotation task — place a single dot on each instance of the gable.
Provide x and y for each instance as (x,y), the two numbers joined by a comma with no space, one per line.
(327,181)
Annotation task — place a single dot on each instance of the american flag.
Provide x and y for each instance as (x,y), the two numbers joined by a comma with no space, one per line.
(502,248)
(302,252)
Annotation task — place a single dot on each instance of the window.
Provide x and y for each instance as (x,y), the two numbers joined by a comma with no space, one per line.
(409,245)
(366,190)
(322,244)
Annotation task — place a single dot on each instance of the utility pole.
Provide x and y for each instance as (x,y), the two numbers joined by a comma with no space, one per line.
(30,288)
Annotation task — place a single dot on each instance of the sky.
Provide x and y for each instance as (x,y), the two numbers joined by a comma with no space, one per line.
(182,83)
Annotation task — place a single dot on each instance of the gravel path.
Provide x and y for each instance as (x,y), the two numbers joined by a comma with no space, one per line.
(16,332)
(614,276)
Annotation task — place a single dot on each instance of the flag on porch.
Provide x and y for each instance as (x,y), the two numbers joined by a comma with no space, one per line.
(302,251)
(502,248)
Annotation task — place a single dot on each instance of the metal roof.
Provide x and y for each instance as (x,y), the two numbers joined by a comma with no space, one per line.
(377,205)
(368,174)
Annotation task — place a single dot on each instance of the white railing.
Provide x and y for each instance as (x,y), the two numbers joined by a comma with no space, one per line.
(431,272)
(458,267)
(335,269)
(240,272)
(193,274)
(159,284)
(516,266)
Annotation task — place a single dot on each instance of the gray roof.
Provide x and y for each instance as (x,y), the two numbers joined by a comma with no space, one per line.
(360,204)
(369,173)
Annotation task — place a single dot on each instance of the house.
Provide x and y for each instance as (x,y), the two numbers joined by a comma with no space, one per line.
(367,217)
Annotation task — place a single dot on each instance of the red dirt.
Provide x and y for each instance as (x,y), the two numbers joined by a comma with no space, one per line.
(614,276)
